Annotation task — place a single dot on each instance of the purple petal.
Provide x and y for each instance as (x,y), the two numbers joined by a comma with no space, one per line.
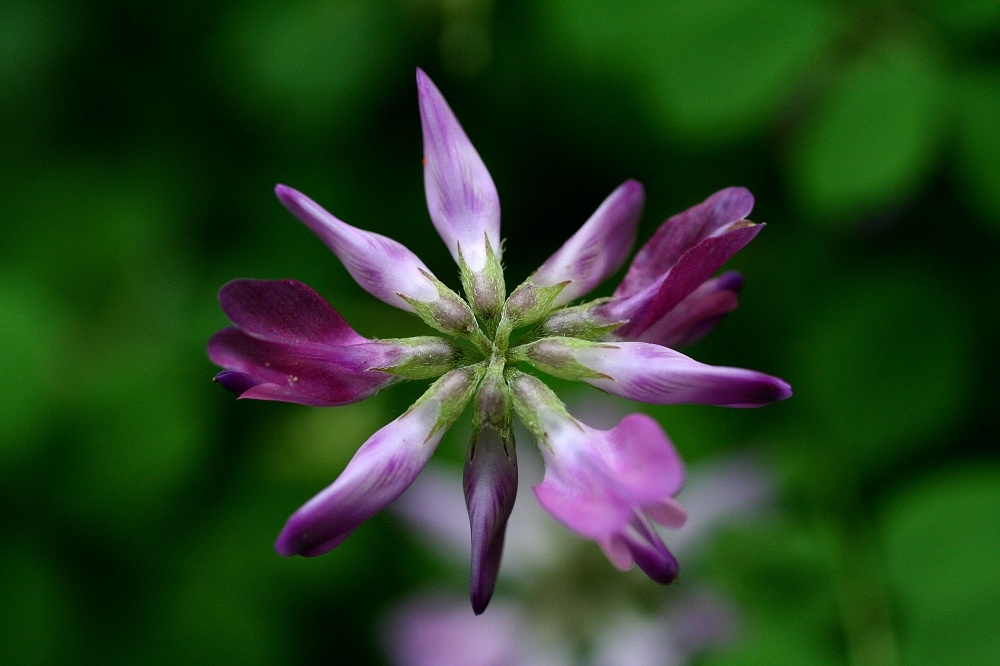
(377,474)
(696,315)
(383,267)
(695,266)
(304,373)
(284,311)
(490,489)
(598,249)
(680,233)
(660,376)
(461,196)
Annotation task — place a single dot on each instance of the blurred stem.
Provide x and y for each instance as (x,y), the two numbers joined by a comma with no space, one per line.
(865,610)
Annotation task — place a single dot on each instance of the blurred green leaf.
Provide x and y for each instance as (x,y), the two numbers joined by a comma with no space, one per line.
(968,18)
(36,615)
(724,68)
(709,70)
(873,137)
(307,67)
(882,367)
(941,539)
(772,643)
(979,155)
(32,358)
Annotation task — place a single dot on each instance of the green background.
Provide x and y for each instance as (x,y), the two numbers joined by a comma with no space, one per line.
(140,146)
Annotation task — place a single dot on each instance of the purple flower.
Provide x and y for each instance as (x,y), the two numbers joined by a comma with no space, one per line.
(288,344)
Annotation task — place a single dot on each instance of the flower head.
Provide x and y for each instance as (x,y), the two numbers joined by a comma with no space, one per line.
(288,344)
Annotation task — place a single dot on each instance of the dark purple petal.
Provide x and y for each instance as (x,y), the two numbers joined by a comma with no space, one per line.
(695,316)
(490,488)
(680,233)
(284,311)
(695,266)
(461,197)
(309,374)
(377,474)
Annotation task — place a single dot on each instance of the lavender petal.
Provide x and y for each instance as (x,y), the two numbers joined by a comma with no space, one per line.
(381,266)
(660,376)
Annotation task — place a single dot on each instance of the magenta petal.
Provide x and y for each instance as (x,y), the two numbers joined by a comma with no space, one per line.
(381,266)
(304,373)
(490,489)
(598,249)
(461,197)
(660,376)
(680,233)
(284,311)
(647,464)
(377,474)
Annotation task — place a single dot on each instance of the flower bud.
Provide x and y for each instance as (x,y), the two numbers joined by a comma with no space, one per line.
(490,483)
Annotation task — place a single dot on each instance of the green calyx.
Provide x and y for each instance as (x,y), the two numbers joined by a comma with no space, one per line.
(449,314)
(486,320)
(558,357)
(425,357)
(485,289)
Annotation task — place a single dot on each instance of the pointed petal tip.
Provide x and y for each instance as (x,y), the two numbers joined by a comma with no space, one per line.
(480,600)
(763,390)
(289,197)
(425,85)
(782,389)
